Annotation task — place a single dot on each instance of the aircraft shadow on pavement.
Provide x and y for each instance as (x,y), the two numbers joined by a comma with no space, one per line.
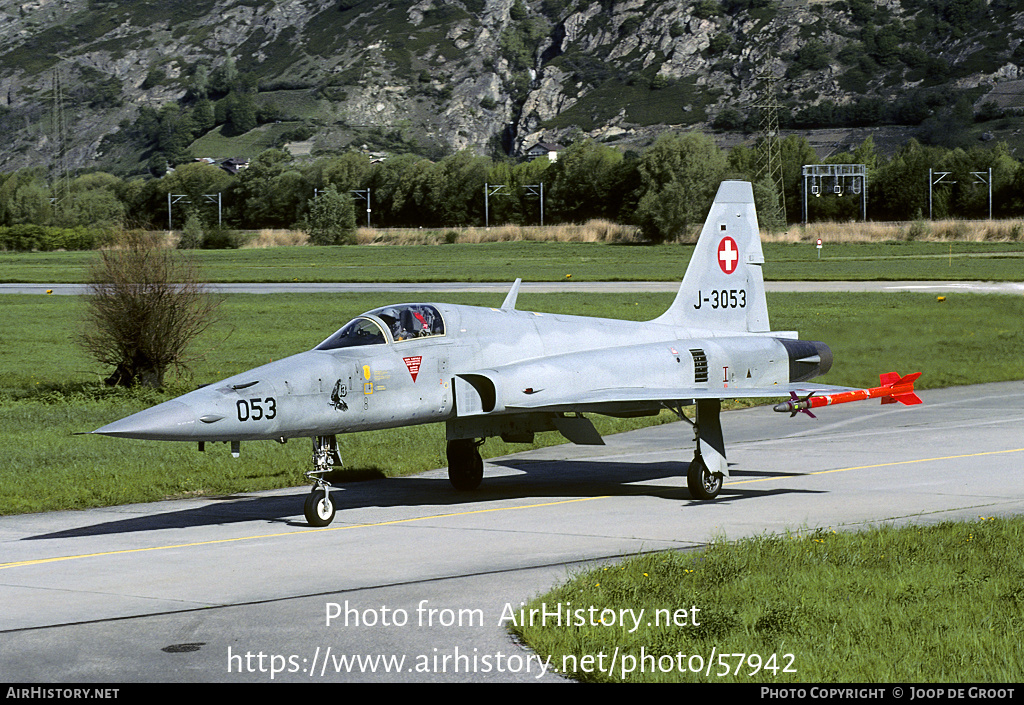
(547,479)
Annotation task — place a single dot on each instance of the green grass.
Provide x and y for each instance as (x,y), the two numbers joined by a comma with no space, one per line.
(216,145)
(49,389)
(643,105)
(894,261)
(939,604)
(553,261)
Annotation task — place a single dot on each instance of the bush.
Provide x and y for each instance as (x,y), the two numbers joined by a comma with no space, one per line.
(145,305)
(218,238)
(332,219)
(191,233)
(22,238)
(29,238)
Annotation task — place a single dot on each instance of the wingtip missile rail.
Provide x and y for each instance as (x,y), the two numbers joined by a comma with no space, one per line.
(893,388)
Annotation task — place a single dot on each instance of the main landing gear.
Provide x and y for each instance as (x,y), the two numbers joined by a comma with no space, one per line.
(465,466)
(707,473)
(702,483)
(319,509)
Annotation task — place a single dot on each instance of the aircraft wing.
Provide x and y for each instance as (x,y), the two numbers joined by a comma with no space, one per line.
(642,377)
(596,399)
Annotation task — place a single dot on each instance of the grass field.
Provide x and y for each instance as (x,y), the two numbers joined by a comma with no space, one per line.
(921,604)
(50,390)
(556,261)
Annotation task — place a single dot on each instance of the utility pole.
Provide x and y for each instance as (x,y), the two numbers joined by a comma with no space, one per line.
(364,194)
(981,177)
(490,190)
(537,190)
(931,184)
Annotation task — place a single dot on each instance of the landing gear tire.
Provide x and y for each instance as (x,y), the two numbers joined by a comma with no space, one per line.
(702,483)
(319,508)
(465,466)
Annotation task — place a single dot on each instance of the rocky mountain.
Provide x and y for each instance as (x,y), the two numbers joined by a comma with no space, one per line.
(119,84)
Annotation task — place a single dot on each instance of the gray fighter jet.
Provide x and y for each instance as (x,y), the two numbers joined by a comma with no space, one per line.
(504,372)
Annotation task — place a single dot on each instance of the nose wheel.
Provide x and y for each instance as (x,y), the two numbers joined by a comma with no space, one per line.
(319,509)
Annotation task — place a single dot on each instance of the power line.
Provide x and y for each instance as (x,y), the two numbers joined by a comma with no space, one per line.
(60,176)
(770,156)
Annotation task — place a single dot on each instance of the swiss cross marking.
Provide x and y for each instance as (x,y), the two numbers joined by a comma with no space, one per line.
(728,255)
(413,363)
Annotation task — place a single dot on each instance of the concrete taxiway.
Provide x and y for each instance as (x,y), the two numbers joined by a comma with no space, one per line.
(419,577)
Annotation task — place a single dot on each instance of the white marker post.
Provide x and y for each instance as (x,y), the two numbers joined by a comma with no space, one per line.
(818,245)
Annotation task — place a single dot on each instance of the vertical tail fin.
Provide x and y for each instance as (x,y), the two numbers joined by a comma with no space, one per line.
(723,288)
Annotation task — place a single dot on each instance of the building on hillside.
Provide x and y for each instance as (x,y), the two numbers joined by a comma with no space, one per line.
(544,149)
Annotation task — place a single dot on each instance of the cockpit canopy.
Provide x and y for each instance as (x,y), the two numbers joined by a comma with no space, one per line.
(403,322)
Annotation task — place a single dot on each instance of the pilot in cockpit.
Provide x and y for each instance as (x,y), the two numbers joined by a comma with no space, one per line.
(414,323)
(408,322)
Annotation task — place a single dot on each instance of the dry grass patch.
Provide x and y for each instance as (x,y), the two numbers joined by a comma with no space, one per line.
(919,230)
(591,231)
(276,238)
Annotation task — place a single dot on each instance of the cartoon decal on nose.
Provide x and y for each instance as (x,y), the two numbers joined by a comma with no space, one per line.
(338,396)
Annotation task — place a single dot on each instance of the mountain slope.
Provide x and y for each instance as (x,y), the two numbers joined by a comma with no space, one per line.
(139,80)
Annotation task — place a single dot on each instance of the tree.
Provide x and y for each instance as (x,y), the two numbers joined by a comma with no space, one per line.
(454,189)
(203,116)
(241,113)
(25,198)
(582,183)
(899,190)
(680,176)
(766,198)
(144,307)
(332,218)
(192,232)
(271,191)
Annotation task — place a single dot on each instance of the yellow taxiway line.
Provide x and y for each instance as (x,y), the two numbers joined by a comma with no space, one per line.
(54,559)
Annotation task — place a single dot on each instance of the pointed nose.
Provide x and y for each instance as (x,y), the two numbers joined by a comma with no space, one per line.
(170,421)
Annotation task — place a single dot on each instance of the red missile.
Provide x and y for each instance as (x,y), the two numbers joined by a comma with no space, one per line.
(893,389)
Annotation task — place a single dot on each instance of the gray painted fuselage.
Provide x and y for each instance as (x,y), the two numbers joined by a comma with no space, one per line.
(533,360)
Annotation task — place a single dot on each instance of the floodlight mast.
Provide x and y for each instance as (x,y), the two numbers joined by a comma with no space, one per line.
(841,174)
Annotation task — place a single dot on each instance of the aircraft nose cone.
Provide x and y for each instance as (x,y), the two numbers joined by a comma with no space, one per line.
(169,421)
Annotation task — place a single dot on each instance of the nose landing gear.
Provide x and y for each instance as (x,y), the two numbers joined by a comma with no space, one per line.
(319,509)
